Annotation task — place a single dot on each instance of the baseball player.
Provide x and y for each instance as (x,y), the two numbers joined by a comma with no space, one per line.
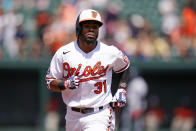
(82,72)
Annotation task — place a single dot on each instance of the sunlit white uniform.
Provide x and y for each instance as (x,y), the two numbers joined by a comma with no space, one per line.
(95,72)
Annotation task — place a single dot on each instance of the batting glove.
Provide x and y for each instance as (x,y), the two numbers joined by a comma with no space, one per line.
(119,99)
(72,83)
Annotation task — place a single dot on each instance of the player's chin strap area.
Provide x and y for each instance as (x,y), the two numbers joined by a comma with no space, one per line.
(89,110)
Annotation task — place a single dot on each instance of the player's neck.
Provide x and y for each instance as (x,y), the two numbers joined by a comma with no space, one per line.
(86,47)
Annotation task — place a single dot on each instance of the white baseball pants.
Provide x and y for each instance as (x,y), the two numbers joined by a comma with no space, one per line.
(103,120)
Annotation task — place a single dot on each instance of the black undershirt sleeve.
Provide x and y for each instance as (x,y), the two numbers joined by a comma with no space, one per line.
(124,78)
(120,80)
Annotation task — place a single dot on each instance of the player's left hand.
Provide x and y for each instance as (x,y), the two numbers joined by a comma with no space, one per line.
(119,99)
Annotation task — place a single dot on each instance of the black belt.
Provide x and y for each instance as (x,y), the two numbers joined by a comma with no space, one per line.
(85,110)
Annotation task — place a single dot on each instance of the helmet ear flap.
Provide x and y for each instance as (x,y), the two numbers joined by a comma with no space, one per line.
(78,27)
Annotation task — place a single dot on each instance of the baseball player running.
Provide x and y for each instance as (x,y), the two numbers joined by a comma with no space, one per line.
(82,72)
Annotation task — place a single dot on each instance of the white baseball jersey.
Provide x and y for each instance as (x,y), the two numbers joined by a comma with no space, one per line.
(95,72)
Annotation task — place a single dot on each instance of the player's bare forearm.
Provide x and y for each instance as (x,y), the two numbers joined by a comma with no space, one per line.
(54,85)
(60,85)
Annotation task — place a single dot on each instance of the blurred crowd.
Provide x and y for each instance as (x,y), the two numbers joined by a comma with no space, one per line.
(35,29)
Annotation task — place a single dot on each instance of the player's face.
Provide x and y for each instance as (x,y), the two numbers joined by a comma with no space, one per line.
(90,30)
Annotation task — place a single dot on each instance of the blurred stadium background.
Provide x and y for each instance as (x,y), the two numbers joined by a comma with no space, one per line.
(159,36)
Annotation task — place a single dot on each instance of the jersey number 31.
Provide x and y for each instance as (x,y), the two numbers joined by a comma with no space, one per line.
(99,86)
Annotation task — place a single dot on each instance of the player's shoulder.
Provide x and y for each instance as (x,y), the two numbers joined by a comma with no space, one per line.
(111,48)
(65,48)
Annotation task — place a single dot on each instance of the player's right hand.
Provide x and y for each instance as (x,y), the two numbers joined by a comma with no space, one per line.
(72,83)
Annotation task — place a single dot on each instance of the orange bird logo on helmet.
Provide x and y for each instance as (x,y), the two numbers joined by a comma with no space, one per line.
(94,14)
